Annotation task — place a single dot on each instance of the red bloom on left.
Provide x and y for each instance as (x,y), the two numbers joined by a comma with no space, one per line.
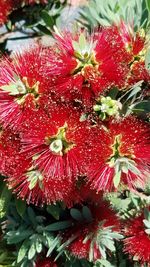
(6,7)
(21,84)
(55,149)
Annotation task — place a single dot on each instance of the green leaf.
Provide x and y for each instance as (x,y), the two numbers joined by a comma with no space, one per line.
(117,178)
(142,106)
(147,231)
(82,41)
(113,93)
(148,4)
(32,251)
(15,237)
(76,214)
(87,213)
(49,21)
(147,214)
(22,251)
(20,206)
(4,200)
(54,210)
(33,182)
(103,263)
(58,226)
(54,244)
(147,60)
(76,46)
(116,235)
(146,223)
(31,215)
(43,29)
(134,92)
(38,246)
(102,251)
(109,244)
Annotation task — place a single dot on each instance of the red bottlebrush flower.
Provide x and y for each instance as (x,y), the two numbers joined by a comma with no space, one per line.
(137,241)
(6,7)
(21,176)
(27,175)
(134,42)
(36,188)
(138,73)
(21,84)
(88,237)
(45,263)
(121,154)
(99,61)
(55,148)
(57,144)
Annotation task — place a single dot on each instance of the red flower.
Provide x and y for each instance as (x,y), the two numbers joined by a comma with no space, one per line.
(21,84)
(6,7)
(134,42)
(55,149)
(26,180)
(57,144)
(138,73)
(137,241)
(45,263)
(87,236)
(121,153)
(99,61)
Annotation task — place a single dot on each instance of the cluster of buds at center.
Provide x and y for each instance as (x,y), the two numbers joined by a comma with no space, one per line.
(106,107)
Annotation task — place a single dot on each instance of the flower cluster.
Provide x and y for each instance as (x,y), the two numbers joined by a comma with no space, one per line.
(64,135)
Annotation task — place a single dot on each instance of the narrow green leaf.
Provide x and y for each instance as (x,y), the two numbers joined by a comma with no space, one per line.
(47,19)
(17,237)
(58,226)
(54,210)
(32,251)
(76,214)
(22,251)
(82,41)
(76,46)
(38,246)
(146,223)
(53,246)
(147,231)
(117,178)
(87,213)
(147,214)
(134,92)
(20,206)
(142,106)
(147,60)
(108,244)
(31,215)
(148,5)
